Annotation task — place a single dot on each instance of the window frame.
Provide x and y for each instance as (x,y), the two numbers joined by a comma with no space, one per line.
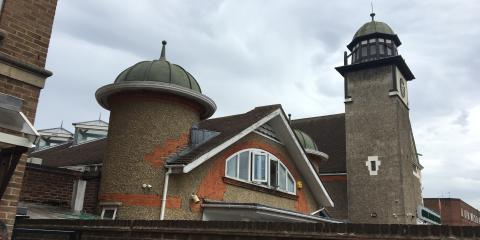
(266,184)
(115,209)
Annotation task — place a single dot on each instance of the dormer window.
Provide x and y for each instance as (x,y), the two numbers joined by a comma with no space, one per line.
(262,168)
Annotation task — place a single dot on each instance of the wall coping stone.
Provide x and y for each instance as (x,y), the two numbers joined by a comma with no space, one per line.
(292,230)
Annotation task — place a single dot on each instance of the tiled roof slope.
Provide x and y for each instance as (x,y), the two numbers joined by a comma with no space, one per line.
(328,132)
(228,127)
(71,155)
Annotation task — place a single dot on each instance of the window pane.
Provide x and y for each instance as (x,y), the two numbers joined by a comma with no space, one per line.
(273,173)
(282,175)
(381,40)
(108,213)
(364,42)
(232,166)
(389,51)
(374,165)
(290,184)
(364,51)
(243,166)
(373,49)
(389,41)
(371,40)
(260,167)
(382,49)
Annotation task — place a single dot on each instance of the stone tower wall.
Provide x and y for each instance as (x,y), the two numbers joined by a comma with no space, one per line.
(144,130)
(378,125)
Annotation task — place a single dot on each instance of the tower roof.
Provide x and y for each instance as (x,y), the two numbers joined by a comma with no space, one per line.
(159,70)
(158,76)
(373,29)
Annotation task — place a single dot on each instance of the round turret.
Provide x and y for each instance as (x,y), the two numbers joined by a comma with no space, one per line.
(153,106)
(373,40)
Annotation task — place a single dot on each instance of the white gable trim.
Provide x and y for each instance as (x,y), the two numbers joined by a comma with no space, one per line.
(310,174)
(310,167)
(189,167)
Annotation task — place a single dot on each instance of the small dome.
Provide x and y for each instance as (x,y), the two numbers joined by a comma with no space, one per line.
(305,140)
(159,71)
(159,76)
(373,27)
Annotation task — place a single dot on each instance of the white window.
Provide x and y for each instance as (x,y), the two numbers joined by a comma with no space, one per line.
(109,213)
(261,168)
(373,165)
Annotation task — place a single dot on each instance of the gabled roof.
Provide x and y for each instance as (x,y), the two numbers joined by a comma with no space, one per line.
(59,130)
(93,123)
(68,154)
(228,127)
(328,132)
(234,128)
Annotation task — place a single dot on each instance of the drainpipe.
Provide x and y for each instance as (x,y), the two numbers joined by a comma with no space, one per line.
(164,195)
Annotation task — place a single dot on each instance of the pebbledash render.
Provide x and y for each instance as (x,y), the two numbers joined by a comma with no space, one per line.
(164,158)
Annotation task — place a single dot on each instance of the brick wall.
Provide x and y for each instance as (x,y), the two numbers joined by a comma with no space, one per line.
(24,91)
(146,230)
(452,211)
(28,24)
(91,196)
(48,185)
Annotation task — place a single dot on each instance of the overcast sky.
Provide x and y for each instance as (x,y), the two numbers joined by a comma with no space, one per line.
(251,53)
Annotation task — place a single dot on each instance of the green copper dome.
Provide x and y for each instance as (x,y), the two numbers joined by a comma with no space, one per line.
(305,140)
(373,27)
(159,71)
(373,30)
(160,77)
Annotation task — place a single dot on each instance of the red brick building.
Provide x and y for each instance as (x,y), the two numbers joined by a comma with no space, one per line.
(25,29)
(454,211)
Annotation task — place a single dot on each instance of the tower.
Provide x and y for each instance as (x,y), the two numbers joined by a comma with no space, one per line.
(153,105)
(383,172)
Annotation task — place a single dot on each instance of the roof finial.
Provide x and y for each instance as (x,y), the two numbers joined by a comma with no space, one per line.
(100,116)
(162,55)
(372,14)
(61,124)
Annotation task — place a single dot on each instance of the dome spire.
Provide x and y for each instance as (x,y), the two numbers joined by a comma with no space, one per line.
(373,13)
(162,55)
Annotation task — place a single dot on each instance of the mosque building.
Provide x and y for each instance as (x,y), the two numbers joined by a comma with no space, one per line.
(165,158)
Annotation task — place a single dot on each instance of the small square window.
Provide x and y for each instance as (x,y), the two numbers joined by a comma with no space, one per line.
(109,213)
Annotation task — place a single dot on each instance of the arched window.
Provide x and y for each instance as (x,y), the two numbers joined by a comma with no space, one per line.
(261,168)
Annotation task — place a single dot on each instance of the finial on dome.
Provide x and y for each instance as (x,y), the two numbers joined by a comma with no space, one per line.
(162,55)
(372,14)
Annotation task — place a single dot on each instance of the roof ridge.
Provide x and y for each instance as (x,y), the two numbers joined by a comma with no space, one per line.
(242,114)
(319,117)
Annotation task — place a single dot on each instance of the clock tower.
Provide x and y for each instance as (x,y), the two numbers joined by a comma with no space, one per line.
(383,171)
